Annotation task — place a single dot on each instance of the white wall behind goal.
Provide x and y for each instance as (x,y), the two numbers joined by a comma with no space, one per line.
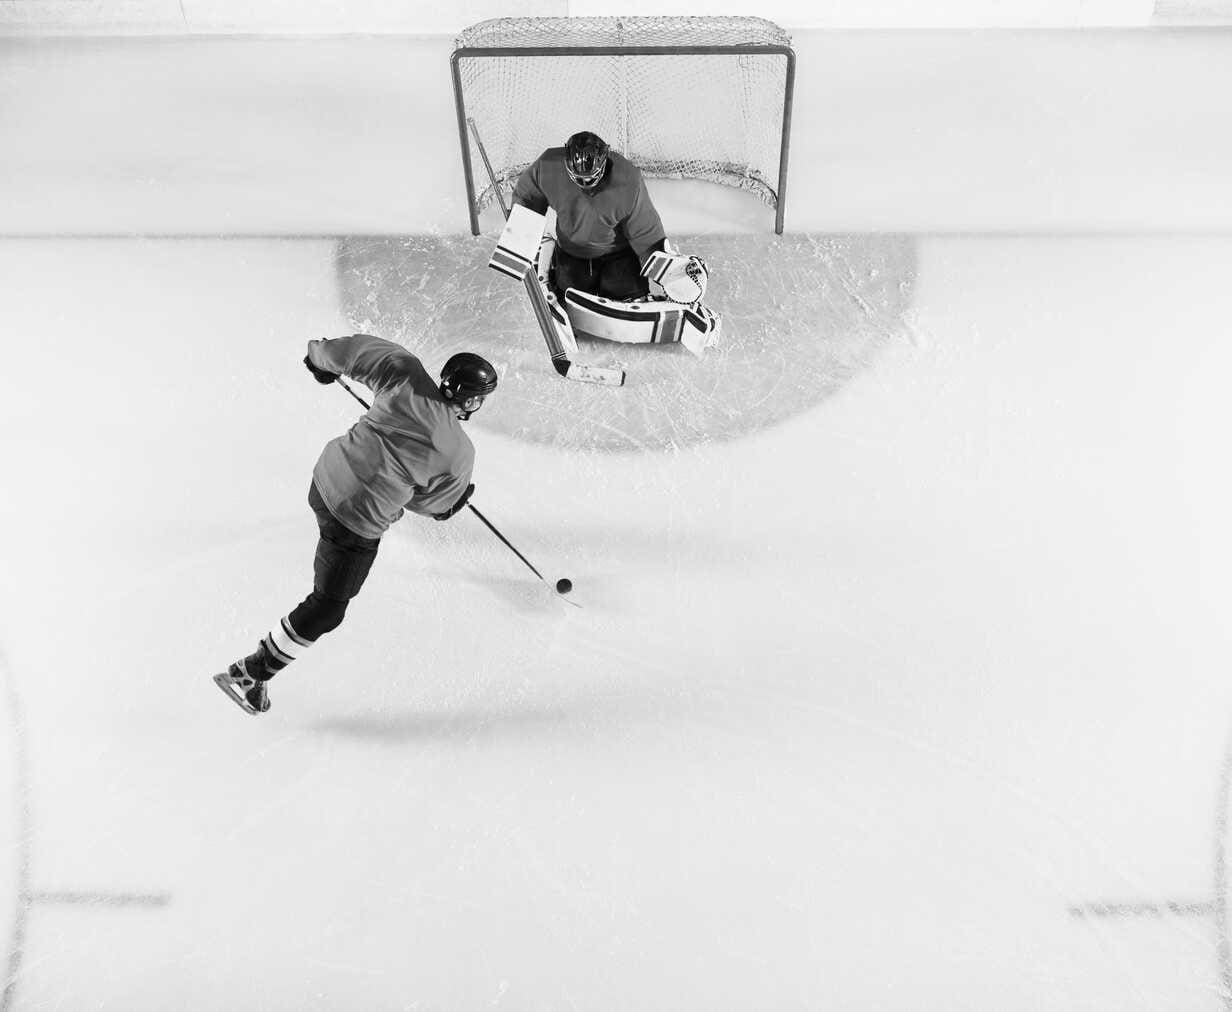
(430,17)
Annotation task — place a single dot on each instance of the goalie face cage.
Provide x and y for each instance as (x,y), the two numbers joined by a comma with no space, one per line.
(681,97)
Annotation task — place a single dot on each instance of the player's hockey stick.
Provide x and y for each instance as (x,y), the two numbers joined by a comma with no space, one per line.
(560,359)
(543,309)
(488,524)
(562,586)
(343,383)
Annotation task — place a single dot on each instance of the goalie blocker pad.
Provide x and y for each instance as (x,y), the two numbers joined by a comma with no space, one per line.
(651,322)
(517,249)
(524,253)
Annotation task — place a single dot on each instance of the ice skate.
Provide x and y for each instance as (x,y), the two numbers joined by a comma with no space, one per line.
(248,693)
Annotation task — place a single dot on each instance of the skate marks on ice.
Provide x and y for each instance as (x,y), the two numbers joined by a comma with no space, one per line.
(802,314)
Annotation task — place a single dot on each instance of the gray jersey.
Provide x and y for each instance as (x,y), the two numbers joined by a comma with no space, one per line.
(407,452)
(617,215)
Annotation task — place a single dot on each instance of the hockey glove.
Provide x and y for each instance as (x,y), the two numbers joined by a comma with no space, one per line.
(320,375)
(466,494)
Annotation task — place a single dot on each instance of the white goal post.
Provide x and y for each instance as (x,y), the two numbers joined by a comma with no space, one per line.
(682,97)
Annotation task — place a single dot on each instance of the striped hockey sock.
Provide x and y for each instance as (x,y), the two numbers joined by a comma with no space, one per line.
(283,645)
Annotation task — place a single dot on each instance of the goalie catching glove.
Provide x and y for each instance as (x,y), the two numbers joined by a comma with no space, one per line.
(677,277)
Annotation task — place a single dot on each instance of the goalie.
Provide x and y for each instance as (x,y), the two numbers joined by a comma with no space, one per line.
(583,216)
(606,225)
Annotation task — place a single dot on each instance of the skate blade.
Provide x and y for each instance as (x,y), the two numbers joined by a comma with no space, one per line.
(224,683)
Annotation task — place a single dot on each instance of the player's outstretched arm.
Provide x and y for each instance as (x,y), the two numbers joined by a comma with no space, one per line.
(372,361)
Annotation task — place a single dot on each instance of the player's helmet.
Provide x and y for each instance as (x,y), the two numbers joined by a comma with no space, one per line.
(466,380)
(586,159)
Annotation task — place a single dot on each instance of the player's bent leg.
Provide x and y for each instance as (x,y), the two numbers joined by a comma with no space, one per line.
(340,568)
(341,565)
(311,619)
(245,680)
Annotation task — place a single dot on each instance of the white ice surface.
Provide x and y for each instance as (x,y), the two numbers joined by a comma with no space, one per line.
(856,714)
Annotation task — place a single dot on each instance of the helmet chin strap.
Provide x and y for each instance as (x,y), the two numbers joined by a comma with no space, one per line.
(463,411)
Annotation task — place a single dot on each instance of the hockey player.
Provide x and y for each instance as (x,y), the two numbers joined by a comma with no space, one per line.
(606,225)
(407,452)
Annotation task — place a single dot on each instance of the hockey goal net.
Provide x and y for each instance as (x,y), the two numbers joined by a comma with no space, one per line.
(682,97)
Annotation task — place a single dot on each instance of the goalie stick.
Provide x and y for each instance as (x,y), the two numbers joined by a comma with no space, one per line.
(560,360)
(543,305)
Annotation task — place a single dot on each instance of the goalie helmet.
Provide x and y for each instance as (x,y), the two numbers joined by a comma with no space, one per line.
(466,380)
(586,159)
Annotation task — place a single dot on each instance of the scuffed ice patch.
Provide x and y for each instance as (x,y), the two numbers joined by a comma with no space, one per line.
(802,314)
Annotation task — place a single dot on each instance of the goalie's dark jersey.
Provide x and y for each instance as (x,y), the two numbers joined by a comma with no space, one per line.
(408,451)
(616,216)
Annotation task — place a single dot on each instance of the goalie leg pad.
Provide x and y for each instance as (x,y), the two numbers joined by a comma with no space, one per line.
(651,322)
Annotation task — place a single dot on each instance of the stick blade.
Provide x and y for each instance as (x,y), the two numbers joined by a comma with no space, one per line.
(608,377)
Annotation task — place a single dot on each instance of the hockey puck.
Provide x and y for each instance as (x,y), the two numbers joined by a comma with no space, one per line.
(563,586)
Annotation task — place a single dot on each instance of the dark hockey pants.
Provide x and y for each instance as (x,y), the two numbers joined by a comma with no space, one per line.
(341,566)
(614,276)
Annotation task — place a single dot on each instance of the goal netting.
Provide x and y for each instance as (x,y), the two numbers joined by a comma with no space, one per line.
(682,97)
